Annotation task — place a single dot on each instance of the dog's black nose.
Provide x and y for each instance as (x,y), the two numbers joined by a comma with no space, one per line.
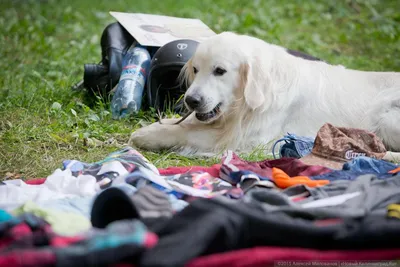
(193,101)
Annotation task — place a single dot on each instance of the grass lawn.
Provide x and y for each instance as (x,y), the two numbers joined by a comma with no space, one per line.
(44,44)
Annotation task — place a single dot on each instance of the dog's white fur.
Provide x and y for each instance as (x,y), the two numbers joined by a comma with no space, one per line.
(267,92)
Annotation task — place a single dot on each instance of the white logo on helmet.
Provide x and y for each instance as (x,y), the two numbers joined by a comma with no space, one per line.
(181,46)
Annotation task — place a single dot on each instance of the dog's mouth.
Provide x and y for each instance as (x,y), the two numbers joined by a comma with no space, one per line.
(209,115)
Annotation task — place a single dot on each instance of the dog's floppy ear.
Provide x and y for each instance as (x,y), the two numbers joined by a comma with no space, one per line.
(186,74)
(253,81)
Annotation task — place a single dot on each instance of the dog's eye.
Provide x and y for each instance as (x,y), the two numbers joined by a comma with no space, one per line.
(219,71)
(195,70)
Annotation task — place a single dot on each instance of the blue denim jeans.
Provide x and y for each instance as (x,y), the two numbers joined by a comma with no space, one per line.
(359,166)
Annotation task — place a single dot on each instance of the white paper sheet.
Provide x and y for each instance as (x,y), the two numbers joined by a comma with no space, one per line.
(157,30)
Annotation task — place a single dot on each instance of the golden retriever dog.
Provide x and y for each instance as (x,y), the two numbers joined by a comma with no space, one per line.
(246,93)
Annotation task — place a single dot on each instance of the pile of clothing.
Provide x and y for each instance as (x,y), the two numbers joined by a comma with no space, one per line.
(337,201)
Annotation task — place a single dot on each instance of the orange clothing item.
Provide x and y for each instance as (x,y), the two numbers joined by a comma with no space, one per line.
(282,180)
(395,170)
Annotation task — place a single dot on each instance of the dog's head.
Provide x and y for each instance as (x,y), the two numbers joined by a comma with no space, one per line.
(225,69)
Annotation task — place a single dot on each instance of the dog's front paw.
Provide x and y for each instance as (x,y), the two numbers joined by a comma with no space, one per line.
(156,136)
(144,137)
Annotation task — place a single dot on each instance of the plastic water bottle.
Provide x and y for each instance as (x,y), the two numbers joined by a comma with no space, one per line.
(127,98)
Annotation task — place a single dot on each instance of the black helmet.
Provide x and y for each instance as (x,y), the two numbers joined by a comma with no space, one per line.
(163,87)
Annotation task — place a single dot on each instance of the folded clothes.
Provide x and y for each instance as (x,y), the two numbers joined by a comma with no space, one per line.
(220,225)
(360,166)
(367,195)
(118,203)
(334,146)
(59,185)
(369,165)
(294,146)
(29,241)
(232,169)
(282,180)
(212,170)
(116,164)
(182,186)
(77,205)
(351,170)
(62,223)
(231,163)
